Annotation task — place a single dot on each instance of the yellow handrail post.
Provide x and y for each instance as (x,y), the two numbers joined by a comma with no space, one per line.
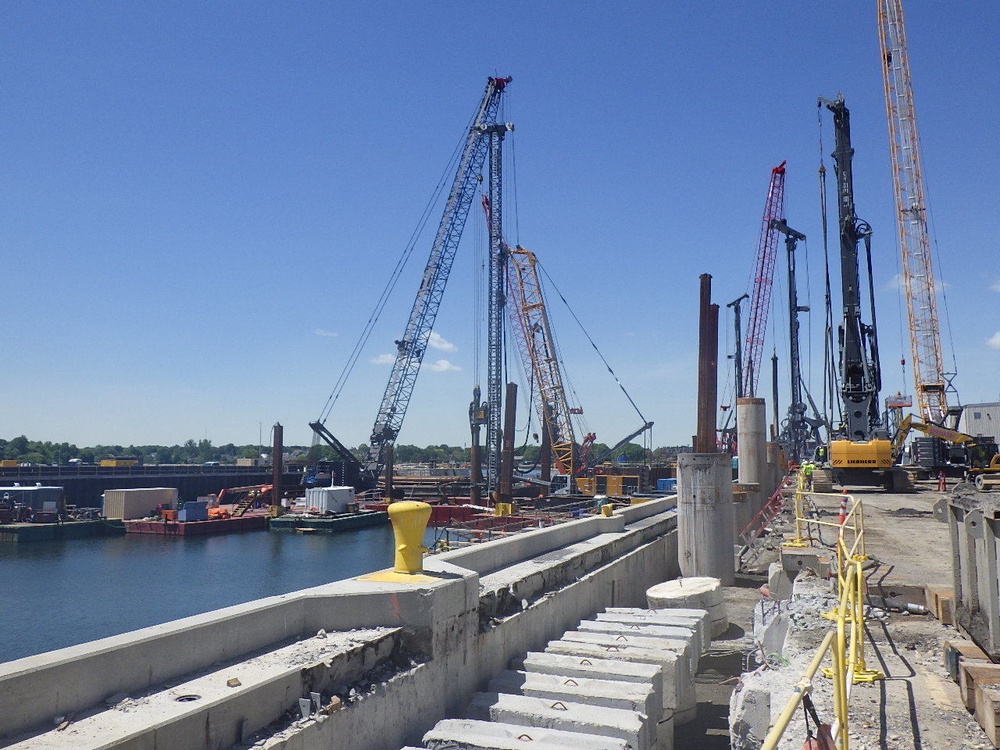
(800,488)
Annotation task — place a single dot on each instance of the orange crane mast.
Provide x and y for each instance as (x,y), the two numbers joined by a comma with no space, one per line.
(930,380)
(534,338)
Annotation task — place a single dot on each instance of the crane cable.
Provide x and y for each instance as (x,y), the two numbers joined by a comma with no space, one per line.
(944,297)
(394,277)
(634,406)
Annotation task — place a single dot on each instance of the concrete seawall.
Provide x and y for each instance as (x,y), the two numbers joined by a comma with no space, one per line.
(422,648)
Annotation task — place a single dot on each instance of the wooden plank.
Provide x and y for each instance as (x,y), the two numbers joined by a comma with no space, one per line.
(941,602)
(976,673)
(959,650)
(988,711)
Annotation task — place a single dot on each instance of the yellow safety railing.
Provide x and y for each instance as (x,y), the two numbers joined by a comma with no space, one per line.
(846,641)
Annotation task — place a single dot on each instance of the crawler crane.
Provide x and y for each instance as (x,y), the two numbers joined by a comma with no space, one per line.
(410,348)
(931,381)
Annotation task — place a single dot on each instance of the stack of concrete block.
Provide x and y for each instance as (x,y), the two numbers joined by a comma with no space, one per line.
(695,620)
(635,666)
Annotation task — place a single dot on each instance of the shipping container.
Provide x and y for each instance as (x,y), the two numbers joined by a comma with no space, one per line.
(193,510)
(329,499)
(126,505)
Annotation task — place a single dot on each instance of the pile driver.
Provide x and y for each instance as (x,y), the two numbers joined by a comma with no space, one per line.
(859,450)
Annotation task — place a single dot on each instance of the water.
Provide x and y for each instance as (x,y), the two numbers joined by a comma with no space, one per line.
(57,594)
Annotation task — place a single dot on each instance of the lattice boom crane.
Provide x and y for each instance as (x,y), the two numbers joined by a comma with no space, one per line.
(774,209)
(911,216)
(534,338)
(411,347)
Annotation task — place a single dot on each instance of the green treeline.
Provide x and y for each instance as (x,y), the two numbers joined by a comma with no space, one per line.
(23,450)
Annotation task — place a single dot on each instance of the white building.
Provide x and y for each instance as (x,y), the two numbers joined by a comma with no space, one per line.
(981,419)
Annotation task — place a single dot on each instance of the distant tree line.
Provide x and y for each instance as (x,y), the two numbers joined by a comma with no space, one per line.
(23,450)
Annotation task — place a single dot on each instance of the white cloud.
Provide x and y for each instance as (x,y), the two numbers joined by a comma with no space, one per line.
(443,365)
(383,359)
(993,342)
(438,342)
(329,334)
(896,282)
(995,286)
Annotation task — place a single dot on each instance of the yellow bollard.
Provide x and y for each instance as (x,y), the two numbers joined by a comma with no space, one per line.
(409,519)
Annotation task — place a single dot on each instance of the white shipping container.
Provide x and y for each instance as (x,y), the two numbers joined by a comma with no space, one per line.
(329,499)
(126,505)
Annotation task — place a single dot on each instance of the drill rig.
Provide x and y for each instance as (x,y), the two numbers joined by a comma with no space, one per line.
(859,451)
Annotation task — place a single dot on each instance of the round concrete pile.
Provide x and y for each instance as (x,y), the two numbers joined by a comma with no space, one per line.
(693,593)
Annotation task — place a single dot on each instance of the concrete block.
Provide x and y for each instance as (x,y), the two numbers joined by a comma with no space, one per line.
(680,647)
(669,632)
(648,676)
(696,618)
(779,582)
(638,730)
(749,716)
(770,626)
(795,559)
(466,734)
(678,687)
(603,693)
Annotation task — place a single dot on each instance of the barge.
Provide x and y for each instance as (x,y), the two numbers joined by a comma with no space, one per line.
(305,523)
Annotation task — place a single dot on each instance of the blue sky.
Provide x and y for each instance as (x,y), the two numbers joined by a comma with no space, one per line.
(200,202)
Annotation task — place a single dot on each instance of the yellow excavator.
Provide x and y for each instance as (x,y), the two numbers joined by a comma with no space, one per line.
(982,456)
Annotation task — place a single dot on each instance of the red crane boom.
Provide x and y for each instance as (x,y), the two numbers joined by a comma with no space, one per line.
(760,298)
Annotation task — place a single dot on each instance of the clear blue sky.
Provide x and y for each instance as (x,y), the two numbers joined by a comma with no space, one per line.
(199,202)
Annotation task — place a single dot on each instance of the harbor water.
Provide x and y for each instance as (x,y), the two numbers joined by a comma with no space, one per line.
(57,594)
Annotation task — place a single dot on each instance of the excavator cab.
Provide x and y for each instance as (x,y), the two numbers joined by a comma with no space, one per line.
(982,453)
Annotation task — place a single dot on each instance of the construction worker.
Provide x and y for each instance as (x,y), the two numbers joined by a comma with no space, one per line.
(807,469)
(820,454)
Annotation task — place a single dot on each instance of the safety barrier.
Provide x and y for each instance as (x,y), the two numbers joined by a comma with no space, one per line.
(846,641)
(754,534)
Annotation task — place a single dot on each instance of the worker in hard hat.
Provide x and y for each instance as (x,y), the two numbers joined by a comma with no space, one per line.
(807,470)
